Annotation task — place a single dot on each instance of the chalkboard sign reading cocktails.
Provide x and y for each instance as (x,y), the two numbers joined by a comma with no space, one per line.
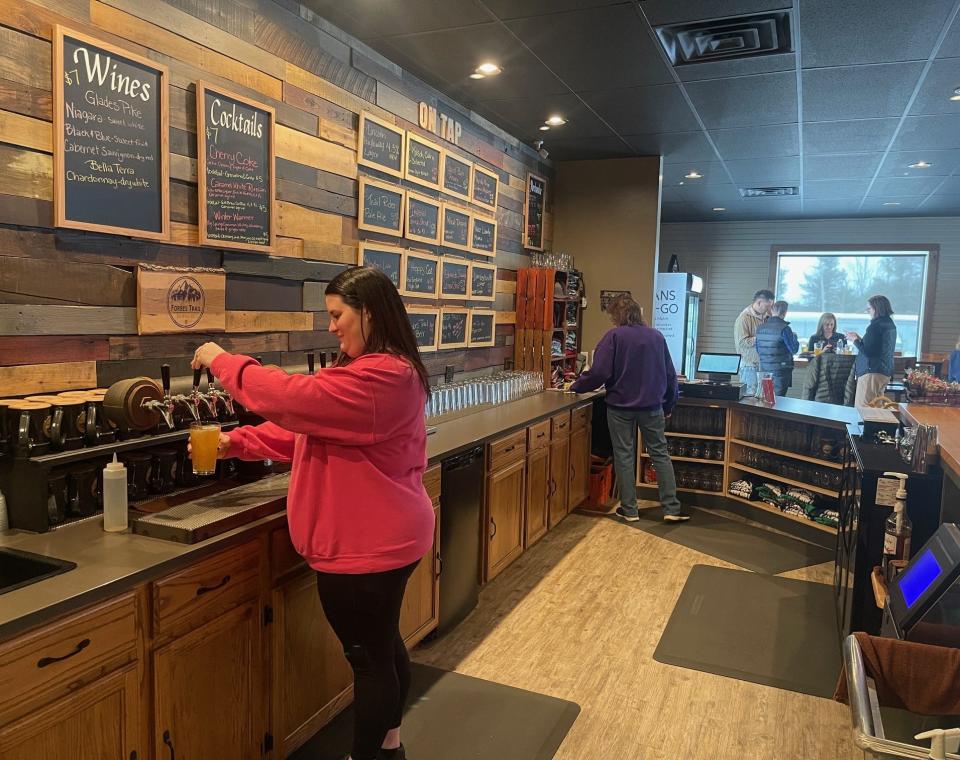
(111,172)
(380,145)
(483,236)
(423,218)
(423,161)
(235,175)
(457,176)
(421,275)
(381,207)
(387,258)
(454,279)
(425,321)
(453,327)
(483,279)
(533,210)
(485,188)
(455,231)
(482,327)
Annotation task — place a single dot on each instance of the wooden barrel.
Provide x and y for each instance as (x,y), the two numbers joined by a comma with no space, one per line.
(123,403)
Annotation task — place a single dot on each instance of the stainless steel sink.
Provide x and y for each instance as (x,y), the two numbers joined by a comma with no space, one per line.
(19,569)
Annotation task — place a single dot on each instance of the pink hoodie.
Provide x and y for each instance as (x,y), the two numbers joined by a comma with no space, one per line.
(357,440)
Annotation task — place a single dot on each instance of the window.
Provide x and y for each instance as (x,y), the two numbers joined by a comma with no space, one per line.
(841,281)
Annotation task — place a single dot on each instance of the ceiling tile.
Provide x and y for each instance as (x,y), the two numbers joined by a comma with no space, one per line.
(869,31)
(713,174)
(611,45)
(672,195)
(951,45)
(374,18)
(858,92)
(847,136)
(708,197)
(746,101)
(740,67)
(672,12)
(675,147)
(939,84)
(510,9)
(942,203)
(765,172)
(678,212)
(950,186)
(835,189)
(757,142)
(897,204)
(641,110)
(825,209)
(841,166)
(895,187)
(530,114)
(929,133)
(942,163)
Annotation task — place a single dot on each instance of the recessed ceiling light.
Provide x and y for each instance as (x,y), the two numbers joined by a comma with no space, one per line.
(693,175)
(956,94)
(544,128)
(892,203)
(478,75)
(556,121)
(921,165)
(719,208)
(680,182)
(488,69)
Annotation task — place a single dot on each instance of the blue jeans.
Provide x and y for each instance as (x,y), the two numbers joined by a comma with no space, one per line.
(623,426)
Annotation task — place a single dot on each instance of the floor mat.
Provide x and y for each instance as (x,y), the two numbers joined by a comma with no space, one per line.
(456,716)
(774,631)
(738,543)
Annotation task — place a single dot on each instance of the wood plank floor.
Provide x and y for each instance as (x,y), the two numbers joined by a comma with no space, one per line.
(579,616)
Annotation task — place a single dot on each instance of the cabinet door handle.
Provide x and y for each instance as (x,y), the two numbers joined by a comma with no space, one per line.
(81,645)
(207,589)
(493,524)
(169,743)
(540,435)
(507,451)
(438,566)
(551,487)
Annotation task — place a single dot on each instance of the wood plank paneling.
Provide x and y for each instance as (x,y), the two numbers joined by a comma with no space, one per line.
(24,59)
(28,132)
(159,346)
(26,173)
(268,321)
(46,350)
(27,212)
(47,378)
(253,293)
(312,151)
(307,340)
(67,320)
(26,100)
(290,269)
(88,284)
(315,198)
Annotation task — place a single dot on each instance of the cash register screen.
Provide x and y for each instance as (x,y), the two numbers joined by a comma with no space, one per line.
(719,364)
(917,580)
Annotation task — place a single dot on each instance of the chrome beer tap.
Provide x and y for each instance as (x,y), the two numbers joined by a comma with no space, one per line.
(166,406)
(218,396)
(192,402)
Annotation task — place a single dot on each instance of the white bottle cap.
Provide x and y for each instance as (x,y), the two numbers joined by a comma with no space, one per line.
(114,466)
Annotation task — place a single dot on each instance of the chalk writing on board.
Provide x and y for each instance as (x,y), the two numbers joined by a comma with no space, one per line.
(386,261)
(382,207)
(454,278)
(482,282)
(453,327)
(456,227)
(423,161)
(456,176)
(424,326)
(421,275)
(484,188)
(423,218)
(484,235)
(481,328)
(381,146)
(533,212)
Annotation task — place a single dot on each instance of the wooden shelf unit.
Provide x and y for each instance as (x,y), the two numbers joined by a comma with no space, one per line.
(539,310)
(773,510)
(719,462)
(780,479)
(671,434)
(792,455)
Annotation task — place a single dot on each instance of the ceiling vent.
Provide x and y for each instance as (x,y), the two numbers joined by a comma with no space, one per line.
(767,192)
(727,38)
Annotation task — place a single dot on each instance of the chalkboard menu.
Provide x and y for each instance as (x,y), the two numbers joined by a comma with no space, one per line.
(111,172)
(424,320)
(456,227)
(421,275)
(381,207)
(533,209)
(423,161)
(453,328)
(483,279)
(423,218)
(235,174)
(454,279)
(482,327)
(483,236)
(387,258)
(457,176)
(380,145)
(485,187)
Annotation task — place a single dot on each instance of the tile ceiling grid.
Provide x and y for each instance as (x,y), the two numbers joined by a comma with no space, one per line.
(798,56)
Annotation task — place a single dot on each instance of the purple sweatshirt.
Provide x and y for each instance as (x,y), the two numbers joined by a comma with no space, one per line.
(634,364)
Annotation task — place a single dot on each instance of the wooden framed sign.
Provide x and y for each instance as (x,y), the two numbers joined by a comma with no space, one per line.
(421,275)
(380,145)
(174,300)
(422,161)
(455,227)
(453,327)
(381,207)
(235,175)
(483,236)
(387,258)
(483,281)
(533,210)
(457,176)
(455,279)
(425,321)
(486,188)
(422,218)
(110,138)
(482,327)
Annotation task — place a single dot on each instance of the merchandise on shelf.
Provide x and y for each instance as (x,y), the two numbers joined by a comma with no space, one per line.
(742,488)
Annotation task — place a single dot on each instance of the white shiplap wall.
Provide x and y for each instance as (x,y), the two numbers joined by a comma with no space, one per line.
(734,260)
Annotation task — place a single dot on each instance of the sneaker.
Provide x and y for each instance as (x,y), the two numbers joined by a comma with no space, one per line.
(679,517)
(629,516)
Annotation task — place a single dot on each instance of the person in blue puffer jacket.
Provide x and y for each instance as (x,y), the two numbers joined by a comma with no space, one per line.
(874,365)
(777,344)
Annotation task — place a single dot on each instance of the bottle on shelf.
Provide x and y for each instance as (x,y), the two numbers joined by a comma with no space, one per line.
(115,496)
(898,529)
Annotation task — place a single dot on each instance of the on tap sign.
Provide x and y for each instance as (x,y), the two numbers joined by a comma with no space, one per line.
(440,124)
(669,309)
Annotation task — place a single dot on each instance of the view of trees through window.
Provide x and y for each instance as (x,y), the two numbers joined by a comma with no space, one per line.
(841,282)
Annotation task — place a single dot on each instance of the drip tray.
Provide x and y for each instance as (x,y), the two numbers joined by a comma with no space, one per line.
(203,518)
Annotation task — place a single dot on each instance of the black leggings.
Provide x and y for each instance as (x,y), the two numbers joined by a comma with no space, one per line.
(364,612)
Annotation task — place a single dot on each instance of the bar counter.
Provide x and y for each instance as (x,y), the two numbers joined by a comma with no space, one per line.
(947,419)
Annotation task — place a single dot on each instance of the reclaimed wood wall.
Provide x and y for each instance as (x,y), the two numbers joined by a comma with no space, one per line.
(68,299)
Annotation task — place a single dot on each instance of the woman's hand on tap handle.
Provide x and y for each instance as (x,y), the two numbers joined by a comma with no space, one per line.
(205,354)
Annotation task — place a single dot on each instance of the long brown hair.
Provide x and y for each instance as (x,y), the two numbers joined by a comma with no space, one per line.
(826,317)
(881,305)
(390,331)
(623,310)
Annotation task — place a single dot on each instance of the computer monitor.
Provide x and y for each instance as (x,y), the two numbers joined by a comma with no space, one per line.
(719,367)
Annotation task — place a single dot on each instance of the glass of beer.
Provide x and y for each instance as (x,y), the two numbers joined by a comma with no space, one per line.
(818,348)
(204,440)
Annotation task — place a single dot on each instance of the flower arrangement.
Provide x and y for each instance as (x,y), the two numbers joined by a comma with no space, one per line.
(921,385)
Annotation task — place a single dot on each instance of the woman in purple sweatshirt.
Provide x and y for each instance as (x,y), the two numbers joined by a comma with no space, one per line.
(633,362)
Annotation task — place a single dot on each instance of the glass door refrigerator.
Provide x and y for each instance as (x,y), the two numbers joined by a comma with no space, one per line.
(676,314)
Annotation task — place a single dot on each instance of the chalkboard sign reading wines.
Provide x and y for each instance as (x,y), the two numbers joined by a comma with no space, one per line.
(235,175)
(423,161)
(456,227)
(485,188)
(457,176)
(421,275)
(424,320)
(387,258)
(533,210)
(453,328)
(454,279)
(381,207)
(111,172)
(482,327)
(423,218)
(483,236)
(483,279)
(380,145)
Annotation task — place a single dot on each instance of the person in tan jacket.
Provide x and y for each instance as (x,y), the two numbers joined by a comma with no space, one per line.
(745,336)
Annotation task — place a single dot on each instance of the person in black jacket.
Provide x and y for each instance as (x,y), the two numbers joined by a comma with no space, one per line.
(874,365)
(777,344)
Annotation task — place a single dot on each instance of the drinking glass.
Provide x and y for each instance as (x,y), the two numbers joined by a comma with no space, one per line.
(818,348)
(204,440)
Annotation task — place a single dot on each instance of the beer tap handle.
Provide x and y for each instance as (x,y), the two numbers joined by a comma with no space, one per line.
(311,362)
(196,380)
(210,385)
(165,379)
(323,360)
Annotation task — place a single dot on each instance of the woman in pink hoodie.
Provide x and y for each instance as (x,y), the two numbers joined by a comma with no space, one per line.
(356,508)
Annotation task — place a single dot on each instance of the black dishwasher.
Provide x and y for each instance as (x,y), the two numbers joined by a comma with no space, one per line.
(461,484)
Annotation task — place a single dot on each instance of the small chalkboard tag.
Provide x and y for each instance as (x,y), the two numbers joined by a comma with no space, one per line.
(483,236)
(453,327)
(381,207)
(423,218)
(380,145)
(483,279)
(421,275)
(457,176)
(423,161)
(485,187)
(533,210)
(424,320)
(456,227)
(387,258)
(454,279)
(482,327)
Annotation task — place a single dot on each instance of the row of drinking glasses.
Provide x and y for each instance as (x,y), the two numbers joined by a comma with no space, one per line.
(552,260)
(494,389)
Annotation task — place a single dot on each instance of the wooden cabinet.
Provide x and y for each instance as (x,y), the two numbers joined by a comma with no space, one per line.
(504,516)
(538,491)
(579,483)
(559,479)
(420,612)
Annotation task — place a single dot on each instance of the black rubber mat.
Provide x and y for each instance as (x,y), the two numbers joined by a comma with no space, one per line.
(453,716)
(738,543)
(774,631)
